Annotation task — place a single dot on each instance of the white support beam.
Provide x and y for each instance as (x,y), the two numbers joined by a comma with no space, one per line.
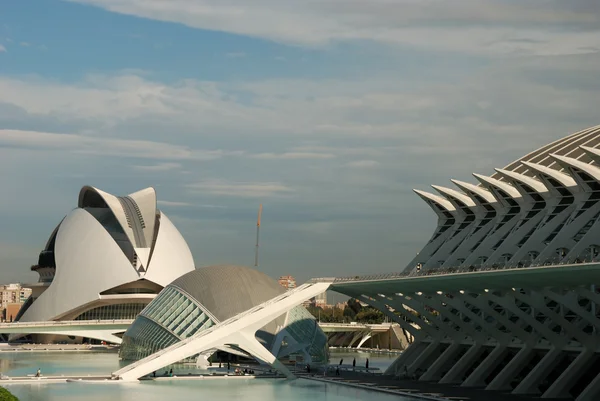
(513,368)
(591,392)
(456,373)
(434,372)
(531,382)
(424,357)
(561,386)
(477,378)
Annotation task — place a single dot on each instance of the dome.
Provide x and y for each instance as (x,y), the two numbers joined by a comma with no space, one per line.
(226,290)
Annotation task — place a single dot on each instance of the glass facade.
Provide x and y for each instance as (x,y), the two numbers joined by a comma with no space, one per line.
(113,312)
(303,327)
(171,317)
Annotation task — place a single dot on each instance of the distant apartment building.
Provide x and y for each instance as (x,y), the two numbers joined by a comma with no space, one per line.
(287,282)
(321,300)
(24,294)
(12,297)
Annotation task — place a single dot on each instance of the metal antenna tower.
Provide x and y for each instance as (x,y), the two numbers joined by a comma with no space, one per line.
(257,234)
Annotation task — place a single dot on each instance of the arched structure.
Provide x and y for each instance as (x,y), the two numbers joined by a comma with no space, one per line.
(107,259)
(506,292)
(540,209)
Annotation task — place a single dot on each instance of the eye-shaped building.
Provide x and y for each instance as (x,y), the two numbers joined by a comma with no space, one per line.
(107,259)
(210,295)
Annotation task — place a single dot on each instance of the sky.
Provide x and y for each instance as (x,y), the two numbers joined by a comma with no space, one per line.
(328,112)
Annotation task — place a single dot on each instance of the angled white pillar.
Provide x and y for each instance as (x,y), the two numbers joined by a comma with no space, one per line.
(465,221)
(506,375)
(456,373)
(530,383)
(424,356)
(408,355)
(425,329)
(448,220)
(434,372)
(477,378)
(248,342)
(561,386)
(591,392)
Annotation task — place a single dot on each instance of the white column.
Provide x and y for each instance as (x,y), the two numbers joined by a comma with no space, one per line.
(424,356)
(560,388)
(456,373)
(591,392)
(477,378)
(530,384)
(434,372)
(409,354)
(503,379)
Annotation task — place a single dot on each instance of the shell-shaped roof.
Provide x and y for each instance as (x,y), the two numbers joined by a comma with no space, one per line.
(227,290)
(570,146)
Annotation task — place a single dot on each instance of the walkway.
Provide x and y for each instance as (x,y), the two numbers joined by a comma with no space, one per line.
(423,390)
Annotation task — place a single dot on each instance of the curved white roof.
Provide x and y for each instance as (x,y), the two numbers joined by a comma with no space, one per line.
(453,193)
(439,200)
(564,179)
(90,259)
(571,146)
(504,186)
(593,171)
(534,183)
(468,187)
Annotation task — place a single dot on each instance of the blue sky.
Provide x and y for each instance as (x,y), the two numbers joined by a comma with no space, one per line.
(328,112)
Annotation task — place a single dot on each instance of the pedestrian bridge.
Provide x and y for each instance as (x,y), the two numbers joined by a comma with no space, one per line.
(384,335)
(99,329)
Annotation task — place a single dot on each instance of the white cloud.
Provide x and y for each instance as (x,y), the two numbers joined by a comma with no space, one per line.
(188,204)
(292,156)
(158,167)
(363,164)
(101,146)
(241,189)
(478,26)
(2,49)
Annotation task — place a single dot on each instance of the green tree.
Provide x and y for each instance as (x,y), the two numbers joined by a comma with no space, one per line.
(6,395)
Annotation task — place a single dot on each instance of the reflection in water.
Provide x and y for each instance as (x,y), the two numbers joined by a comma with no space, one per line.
(21,364)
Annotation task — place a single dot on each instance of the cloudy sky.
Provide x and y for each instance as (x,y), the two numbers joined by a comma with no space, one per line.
(328,112)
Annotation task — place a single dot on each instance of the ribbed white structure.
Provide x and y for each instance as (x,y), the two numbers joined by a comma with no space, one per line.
(505,292)
(541,209)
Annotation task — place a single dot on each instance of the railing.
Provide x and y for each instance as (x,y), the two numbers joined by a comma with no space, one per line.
(456,270)
(65,323)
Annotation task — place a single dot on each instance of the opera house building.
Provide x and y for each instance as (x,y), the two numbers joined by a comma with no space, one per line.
(107,259)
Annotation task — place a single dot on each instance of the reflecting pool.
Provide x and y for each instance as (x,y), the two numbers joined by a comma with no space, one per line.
(83,363)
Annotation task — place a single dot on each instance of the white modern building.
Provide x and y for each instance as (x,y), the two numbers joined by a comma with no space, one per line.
(505,292)
(107,259)
(540,209)
(208,296)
